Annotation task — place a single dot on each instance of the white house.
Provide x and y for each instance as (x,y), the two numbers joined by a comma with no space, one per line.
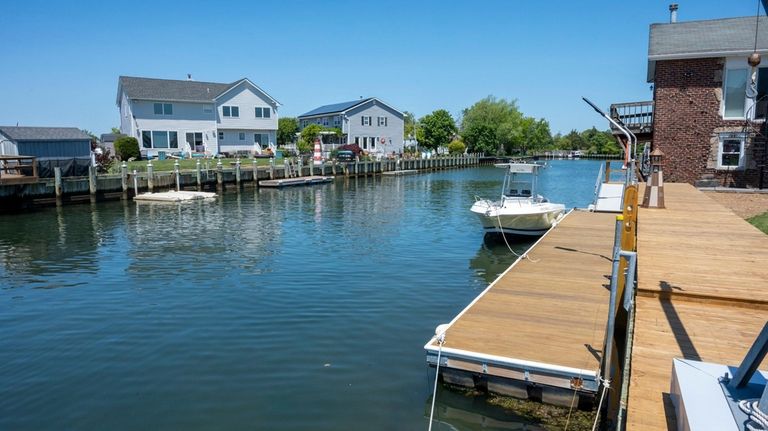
(189,116)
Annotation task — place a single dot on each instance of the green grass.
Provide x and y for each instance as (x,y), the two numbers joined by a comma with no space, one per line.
(760,222)
(190,164)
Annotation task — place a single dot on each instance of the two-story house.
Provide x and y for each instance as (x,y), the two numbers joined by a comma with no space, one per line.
(708,122)
(189,116)
(374,125)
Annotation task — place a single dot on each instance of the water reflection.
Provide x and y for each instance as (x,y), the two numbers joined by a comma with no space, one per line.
(494,256)
(459,411)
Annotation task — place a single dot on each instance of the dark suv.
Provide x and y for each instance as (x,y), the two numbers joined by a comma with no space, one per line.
(345,156)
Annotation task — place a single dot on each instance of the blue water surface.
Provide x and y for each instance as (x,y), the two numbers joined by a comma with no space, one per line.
(302,308)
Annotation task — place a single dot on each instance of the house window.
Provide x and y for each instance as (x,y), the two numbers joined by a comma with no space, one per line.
(163,109)
(221,136)
(761,101)
(267,112)
(262,112)
(337,120)
(382,121)
(195,141)
(241,136)
(357,140)
(373,143)
(365,142)
(159,139)
(262,139)
(735,93)
(730,151)
(230,111)
(366,120)
(325,121)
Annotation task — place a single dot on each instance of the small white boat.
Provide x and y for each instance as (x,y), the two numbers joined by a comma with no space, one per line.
(520,211)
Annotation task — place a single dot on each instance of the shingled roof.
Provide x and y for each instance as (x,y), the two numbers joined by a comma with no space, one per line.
(335,107)
(176,90)
(705,39)
(172,89)
(17,133)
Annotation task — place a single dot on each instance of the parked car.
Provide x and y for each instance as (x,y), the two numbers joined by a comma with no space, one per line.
(345,156)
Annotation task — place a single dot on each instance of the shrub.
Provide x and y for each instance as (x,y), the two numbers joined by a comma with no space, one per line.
(104,160)
(127,147)
(456,147)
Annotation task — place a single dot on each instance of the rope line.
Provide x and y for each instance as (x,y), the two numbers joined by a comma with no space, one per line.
(758,421)
(440,342)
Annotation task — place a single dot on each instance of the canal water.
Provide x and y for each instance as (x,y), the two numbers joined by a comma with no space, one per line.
(302,308)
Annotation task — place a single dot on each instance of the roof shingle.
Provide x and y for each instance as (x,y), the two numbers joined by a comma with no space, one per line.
(335,107)
(172,89)
(17,133)
(713,38)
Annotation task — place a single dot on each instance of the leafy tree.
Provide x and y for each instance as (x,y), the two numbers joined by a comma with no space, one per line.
(127,147)
(497,126)
(600,142)
(457,147)
(116,130)
(409,129)
(287,127)
(436,129)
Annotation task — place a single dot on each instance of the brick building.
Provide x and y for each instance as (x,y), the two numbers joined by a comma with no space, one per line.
(710,131)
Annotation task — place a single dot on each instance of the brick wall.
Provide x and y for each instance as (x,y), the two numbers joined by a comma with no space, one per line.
(687,121)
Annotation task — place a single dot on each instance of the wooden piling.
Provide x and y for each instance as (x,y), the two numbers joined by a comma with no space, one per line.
(124,177)
(237,172)
(198,175)
(272,167)
(92,180)
(150,175)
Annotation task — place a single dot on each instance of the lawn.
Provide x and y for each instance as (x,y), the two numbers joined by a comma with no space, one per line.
(760,221)
(190,164)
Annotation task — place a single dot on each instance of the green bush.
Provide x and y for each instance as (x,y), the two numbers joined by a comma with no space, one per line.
(127,147)
(456,147)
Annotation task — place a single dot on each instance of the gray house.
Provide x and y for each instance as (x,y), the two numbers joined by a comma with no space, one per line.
(66,147)
(372,124)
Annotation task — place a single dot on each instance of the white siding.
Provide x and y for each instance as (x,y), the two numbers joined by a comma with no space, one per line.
(246,98)
(232,143)
(8,147)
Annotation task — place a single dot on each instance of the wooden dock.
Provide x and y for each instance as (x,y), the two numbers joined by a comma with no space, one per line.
(538,330)
(702,275)
(298,181)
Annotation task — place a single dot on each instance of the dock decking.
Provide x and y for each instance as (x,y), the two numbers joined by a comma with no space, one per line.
(702,274)
(543,320)
(298,181)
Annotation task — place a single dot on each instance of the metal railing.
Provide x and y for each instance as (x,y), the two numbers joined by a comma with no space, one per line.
(636,116)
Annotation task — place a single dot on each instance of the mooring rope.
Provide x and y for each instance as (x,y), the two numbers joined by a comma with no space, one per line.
(758,421)
(509,247)
(606,386)
(440,342)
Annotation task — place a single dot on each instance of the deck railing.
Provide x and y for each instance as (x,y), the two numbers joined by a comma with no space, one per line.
(637,116)
(18,169)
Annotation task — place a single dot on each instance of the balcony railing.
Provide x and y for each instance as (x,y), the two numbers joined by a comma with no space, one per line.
(637,116)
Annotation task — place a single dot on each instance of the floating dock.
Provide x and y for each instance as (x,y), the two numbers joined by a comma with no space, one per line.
(401,172)
(538,330)
(299,181)
(173,196)
(702,275)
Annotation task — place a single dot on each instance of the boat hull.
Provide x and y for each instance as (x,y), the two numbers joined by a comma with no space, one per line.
(532,223)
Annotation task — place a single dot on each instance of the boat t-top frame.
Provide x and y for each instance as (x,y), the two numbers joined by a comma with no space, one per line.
(516,184)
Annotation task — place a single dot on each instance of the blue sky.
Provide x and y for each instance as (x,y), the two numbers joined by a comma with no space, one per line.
(61,60)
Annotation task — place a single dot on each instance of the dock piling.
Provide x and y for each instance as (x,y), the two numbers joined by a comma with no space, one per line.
(237,172)
(150,174)
(219,174)
(176,173)
(92,180)
(272,168)
(135,183)
(198,175)
(124,177)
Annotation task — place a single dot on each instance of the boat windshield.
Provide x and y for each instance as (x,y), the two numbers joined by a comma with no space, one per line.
(520,181)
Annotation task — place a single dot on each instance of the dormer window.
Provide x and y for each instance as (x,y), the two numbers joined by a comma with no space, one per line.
(163,109)
(230,111)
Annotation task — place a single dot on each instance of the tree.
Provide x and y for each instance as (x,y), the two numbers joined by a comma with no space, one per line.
(409,129)
(600,142)
(436,129)
(127,147)
(287,127)
(491,125)
(457,147)
(116,130)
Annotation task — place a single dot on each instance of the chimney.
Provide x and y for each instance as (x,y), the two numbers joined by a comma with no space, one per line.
(189,75)
(673,13)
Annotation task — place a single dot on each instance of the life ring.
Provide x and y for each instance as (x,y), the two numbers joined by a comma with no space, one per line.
(383,140)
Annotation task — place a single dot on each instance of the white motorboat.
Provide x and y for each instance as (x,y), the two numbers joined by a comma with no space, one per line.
(521,210)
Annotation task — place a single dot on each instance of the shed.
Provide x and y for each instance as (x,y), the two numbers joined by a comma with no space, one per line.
(66,147)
